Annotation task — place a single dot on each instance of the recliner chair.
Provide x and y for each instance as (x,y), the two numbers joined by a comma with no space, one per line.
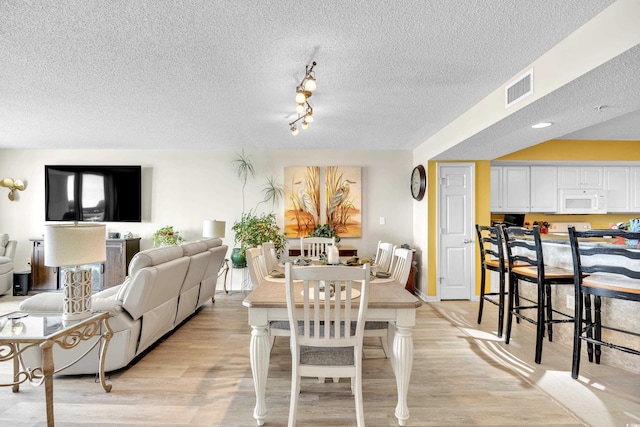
(7,253)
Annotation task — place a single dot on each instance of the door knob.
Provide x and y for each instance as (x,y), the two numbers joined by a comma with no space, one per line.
(467,241)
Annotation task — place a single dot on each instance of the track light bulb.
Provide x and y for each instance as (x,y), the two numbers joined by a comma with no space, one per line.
(300,98)
(310,84)
(301,109)
(309,118)
(294,130)
(305,125)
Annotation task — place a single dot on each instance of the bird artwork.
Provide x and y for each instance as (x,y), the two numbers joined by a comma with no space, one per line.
(305,202)
(12,186)
(340,196)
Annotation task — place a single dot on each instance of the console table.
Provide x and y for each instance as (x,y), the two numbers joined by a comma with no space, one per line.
(20,332)
(343,252)
(111,273)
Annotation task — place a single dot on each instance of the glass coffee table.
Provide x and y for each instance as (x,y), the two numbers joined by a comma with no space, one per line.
(20,332)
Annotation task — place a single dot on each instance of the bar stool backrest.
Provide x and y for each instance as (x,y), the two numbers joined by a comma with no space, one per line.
(491,246)
(524,246)
(587,245)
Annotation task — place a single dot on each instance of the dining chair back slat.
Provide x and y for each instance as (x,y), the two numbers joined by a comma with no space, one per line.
(313,247)
(270,258)
(401,264)
(255,266)
(384,254)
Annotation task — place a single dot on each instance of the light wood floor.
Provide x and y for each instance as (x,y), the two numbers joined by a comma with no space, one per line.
(462,375)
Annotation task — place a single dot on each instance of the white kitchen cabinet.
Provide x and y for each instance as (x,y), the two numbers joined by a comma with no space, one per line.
(634,174)
(496,189)
(572,177)
(516,189)
(544,189)
(617,183)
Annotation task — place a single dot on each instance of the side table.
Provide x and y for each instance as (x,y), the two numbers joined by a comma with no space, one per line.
(21,331)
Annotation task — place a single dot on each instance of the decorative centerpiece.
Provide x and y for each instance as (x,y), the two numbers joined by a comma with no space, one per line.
(324,230)
(166,236)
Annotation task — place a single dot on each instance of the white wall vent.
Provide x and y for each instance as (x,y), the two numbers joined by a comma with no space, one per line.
(519,89)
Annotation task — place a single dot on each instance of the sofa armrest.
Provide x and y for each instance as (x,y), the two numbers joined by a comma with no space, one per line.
(110,304)
(46,302)
(49,302)
(107,292)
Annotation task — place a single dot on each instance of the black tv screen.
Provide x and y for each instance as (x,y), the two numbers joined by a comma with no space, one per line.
(93,193)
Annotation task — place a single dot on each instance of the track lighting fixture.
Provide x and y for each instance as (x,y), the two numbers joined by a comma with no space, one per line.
(303,92)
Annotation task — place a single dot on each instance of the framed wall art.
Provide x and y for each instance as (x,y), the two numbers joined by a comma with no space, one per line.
(317,195)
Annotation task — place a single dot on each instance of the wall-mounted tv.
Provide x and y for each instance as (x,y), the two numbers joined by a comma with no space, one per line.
(93,193)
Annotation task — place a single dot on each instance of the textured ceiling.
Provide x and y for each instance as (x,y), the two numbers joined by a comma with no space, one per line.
(222,74)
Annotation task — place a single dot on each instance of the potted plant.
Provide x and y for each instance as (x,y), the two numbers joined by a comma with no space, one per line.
(325,230)
(253,229)
(166,236)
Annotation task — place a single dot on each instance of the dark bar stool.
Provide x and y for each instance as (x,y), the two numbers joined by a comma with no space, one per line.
(492,258)
(525,246)
(596,276)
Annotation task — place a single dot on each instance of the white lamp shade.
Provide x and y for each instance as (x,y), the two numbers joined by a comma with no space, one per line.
(74,244)
(213,228)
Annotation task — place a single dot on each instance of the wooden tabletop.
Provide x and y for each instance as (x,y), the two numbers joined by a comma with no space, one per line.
(381,295)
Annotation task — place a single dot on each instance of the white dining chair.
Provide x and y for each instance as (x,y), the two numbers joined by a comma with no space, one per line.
(399,269)
(313,247)
(257,271)
(384,254)
(328,339)
(270,258)
(400,266)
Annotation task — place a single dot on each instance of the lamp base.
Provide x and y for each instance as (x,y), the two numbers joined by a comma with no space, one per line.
(76,284)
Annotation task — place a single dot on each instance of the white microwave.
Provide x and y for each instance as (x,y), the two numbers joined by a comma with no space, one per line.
(582,202)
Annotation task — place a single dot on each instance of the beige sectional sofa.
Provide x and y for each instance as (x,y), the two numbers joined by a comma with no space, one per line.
(165,286)
(7,252)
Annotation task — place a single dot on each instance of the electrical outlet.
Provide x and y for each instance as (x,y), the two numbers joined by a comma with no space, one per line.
(571,301)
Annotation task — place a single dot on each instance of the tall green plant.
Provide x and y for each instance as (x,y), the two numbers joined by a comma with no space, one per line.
(244,168)
(254,229)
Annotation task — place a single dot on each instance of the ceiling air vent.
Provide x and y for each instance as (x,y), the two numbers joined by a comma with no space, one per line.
(519,89)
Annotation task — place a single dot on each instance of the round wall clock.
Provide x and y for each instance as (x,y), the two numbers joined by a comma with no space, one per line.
(418,182)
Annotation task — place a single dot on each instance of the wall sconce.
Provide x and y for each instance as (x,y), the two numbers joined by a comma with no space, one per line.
(303,92)
(12,186)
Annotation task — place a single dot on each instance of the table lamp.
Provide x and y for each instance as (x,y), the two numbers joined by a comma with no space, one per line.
(72,247)
(213,228)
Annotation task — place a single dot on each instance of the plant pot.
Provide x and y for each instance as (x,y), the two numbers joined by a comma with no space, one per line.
(237,259)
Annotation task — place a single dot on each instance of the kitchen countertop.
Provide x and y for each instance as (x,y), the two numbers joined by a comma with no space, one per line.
(563,239)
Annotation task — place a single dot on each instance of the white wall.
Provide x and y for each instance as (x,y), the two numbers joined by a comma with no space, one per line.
(182,188)
(420,227)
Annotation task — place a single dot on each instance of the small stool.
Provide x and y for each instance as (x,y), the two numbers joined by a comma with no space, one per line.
(21,280)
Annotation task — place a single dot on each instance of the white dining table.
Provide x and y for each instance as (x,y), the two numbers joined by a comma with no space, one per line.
(388,301)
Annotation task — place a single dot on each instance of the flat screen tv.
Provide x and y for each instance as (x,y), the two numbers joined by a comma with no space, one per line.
(93,193)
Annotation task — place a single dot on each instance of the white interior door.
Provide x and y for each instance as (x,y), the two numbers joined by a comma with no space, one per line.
(456,250)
